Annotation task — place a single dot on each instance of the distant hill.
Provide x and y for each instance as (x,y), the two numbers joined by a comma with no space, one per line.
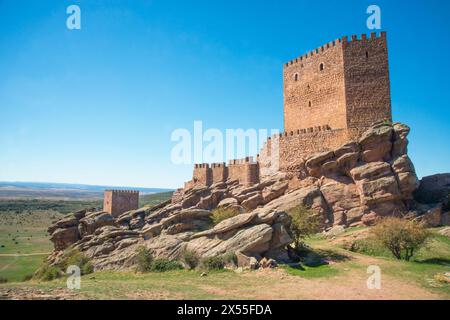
(62,191)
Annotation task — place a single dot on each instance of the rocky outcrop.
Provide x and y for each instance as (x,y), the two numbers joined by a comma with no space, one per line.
(355,184)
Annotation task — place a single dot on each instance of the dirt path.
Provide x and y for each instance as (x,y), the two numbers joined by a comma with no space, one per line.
(351,286)
(24,254)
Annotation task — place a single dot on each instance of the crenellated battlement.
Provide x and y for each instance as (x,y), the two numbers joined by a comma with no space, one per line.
(202,166)
(247,160)
(123,191)
(335,43)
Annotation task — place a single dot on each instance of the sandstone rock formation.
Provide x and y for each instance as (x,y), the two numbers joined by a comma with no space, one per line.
(353,185)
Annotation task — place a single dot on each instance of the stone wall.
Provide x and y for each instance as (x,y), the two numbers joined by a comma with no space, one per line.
(296,147)
(202,174)
(314,92)
(117,202)
(245,171)
(367,87)
(219,172)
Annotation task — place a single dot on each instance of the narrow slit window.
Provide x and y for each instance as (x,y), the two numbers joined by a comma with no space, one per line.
(321,67)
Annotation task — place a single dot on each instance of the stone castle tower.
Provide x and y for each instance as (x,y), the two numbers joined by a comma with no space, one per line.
(331,96)
(341,85)
(117,202)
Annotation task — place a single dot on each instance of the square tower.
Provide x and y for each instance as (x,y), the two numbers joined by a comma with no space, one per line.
(117,202)
(341,85)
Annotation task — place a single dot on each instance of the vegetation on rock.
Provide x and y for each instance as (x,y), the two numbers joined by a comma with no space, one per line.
(304,223)
(191,259)
(221,214)
(213,263)
(144,260)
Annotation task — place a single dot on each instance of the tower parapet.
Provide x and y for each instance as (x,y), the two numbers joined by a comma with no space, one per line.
(342,84)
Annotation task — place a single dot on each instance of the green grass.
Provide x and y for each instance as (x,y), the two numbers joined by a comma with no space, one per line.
(179,284)
(15,269)
(322,271)
(154,199)
(61,206)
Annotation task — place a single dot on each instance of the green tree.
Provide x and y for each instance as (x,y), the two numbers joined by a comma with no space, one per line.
(305,222)
(402,237)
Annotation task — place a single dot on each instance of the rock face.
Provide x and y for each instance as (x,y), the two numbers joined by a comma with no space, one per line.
(353,185)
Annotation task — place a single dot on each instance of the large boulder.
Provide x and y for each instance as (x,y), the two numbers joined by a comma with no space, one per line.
(252,240)
(95,220)
(434,189)
(376,143)
(63,238)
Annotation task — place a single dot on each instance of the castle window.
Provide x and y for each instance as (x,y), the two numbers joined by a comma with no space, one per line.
(321,67)
(296,77)
(367,54)
(309,103)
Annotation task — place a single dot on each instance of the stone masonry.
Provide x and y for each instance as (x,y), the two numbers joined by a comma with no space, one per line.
(245,171)
(117,202)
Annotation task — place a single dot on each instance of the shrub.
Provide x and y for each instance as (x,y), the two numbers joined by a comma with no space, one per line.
(162,265)
(87,268)
(47,272)
(213,263)
(3,280)
(402,237)
(305,222)
(27,277)
(221,214)
(230,258)
(74,257)
(144,260)
(191,259)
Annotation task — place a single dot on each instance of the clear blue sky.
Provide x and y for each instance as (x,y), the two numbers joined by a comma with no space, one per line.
(98,105)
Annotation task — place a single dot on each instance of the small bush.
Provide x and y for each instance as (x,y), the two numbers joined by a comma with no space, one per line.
(402,237)
(191,259)
(230,258)
(87,268)
(74,257)
(162,265)
(213,263)
(144,260)
(27,277)
(47,273)
(221,214)
(305,222)
(3,280)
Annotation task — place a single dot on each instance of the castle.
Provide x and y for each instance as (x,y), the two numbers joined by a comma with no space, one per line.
(331,95)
